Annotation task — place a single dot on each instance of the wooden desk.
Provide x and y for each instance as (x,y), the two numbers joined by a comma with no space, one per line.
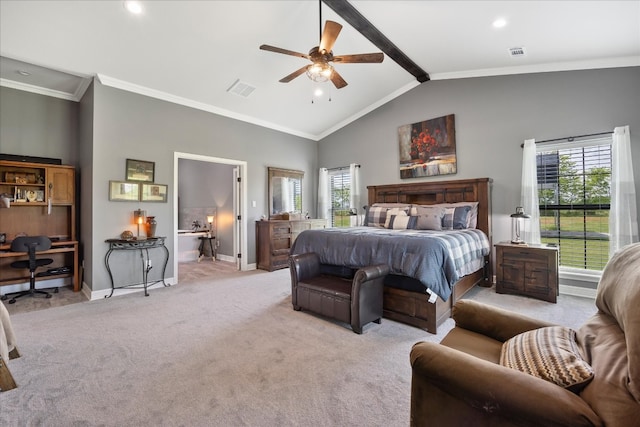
(63,253)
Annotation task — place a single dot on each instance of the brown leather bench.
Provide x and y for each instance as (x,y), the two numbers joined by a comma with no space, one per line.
(356,300)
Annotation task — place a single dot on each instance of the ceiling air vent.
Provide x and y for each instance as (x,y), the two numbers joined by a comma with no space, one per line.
(241,89)
(516,52)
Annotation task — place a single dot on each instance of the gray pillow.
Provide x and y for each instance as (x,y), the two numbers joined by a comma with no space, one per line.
(428,217)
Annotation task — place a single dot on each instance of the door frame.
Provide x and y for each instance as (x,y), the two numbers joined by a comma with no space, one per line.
(239,203)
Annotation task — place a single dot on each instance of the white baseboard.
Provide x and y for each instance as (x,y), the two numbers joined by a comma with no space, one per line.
(578,291)
(103,293)
(41,284)
(226,258)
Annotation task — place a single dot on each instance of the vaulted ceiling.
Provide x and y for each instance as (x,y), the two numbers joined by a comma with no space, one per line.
(192,52)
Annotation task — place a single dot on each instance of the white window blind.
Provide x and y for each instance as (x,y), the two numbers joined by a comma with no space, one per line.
(339,187)
(574,182)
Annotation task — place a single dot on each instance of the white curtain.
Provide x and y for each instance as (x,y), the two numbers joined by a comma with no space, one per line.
(623,219)
(529,192)
(324,202)
(354,191)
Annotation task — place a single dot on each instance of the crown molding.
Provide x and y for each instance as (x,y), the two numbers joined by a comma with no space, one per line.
(164,96)
(76,96)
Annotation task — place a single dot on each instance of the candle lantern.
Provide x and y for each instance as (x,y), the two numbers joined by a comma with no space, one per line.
(139,218)
(518,226)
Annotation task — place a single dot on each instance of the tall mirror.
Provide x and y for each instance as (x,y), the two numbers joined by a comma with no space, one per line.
(285,192)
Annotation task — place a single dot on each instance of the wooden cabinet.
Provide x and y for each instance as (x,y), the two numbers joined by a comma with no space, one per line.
(275,237)
(42,202)
(61,185)
(527,270)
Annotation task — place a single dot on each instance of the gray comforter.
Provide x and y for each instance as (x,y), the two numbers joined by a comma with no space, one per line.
(436,258)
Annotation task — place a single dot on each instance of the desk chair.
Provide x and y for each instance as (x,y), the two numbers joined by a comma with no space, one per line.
(31,245)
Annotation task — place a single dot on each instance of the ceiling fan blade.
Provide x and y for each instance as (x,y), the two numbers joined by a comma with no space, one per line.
(337,80)
(293,75)
(283,51)
(329,35)
(360,58)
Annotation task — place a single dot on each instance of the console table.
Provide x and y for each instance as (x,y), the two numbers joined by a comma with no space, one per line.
(143,247)
(212,243)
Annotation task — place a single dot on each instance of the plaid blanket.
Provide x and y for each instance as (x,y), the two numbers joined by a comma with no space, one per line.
(436,258)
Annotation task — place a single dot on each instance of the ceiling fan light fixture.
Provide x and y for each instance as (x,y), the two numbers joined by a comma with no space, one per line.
(133,6)
(319,72)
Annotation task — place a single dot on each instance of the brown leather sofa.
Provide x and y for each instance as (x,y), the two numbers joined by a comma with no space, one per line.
(356,300)
(460,382)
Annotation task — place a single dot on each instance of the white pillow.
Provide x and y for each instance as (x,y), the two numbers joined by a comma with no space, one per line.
(391,212)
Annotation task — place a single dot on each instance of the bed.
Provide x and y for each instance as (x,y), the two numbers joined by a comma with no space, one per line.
(406,298)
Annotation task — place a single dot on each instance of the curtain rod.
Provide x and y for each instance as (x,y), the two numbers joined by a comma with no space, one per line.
(339,168)
(571,138)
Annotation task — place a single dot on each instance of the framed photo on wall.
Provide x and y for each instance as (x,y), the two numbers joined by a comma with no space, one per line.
(153,193)
(140,170)
(122,191)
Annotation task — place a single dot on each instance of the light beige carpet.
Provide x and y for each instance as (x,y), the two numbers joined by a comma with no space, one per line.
(225,351)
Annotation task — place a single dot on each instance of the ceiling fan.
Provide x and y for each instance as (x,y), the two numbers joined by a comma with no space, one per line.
(320,69)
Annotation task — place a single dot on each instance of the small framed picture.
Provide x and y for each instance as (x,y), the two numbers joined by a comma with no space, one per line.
(140,170)
(153,193)
(123,191)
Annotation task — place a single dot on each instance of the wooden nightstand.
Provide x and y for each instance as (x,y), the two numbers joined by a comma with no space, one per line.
(527,270)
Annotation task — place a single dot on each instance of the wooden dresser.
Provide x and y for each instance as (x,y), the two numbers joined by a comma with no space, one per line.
(275,237)
(527,270)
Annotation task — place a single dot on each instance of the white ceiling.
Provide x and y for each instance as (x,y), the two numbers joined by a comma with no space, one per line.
(191,52)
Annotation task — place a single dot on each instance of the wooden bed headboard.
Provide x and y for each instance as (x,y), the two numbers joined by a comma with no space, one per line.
(429,193)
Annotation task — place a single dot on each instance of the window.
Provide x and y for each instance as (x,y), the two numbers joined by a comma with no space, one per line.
(339,190)
(574,181)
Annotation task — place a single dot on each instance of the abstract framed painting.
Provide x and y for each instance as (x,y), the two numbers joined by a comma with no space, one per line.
(428,148)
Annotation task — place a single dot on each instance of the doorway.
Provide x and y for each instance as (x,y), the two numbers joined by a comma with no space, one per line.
(230,220)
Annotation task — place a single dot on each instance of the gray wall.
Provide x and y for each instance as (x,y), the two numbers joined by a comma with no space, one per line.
(127,125)
(202,185)
(493,115)
(38,125)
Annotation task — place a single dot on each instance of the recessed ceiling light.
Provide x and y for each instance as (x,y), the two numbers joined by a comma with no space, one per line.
(134,7)
(23,73)
(499,23)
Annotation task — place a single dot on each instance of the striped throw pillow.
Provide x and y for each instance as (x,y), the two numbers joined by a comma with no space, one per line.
(549,353)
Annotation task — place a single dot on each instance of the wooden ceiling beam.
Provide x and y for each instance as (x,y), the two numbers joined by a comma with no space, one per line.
(347,12)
